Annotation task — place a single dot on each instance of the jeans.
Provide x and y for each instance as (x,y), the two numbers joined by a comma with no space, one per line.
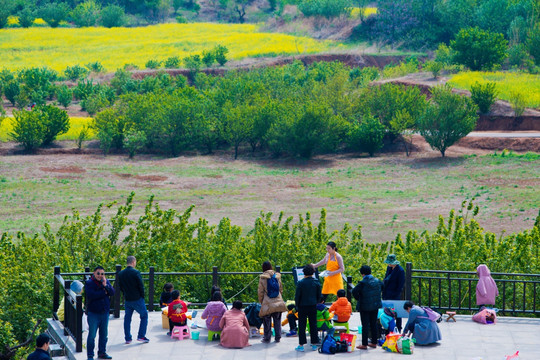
(369,326)
(97,321)
(267,325)
(306,313)
(140,307)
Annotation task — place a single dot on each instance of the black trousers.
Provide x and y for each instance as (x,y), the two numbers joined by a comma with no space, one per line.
(267,324)
(292,321)
(173,324)
(306,313)
(369,326)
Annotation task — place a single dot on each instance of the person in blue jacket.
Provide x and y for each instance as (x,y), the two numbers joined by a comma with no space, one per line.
(394,282)
(98,303)
(42,348)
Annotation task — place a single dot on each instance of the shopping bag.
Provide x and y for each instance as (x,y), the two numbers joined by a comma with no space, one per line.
(390,344)
(405,345)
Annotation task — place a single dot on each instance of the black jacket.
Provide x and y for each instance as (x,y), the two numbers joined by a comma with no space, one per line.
(131,284)
(98,297)
(39,354)
(308,292)
(394,281)
(368,294)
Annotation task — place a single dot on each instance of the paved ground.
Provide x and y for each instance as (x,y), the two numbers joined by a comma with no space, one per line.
(462,340)
(505,134)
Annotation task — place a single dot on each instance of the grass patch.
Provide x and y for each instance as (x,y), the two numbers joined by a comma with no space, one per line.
(507,82)
(62,47)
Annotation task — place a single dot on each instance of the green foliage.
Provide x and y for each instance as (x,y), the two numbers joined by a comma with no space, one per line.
(519,57)
(26,17)
(76,72)
(85,89)
(533,44)
(95,67)
(153,64)
(86,14)
(367,135)
(181,19)
(193,63)
(28,129)
(55,120)
(113,16)
(109,125)
(54,13)
(326,8)
(83,135)
(220,54)
(484,96)
(479,49)
(134,141)
(12,90)
(444,54)
(403,68)
(172,62)
(434,67)
(208,58)
(517,100)
(448,118)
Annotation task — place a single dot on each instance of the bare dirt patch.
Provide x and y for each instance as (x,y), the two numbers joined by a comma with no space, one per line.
(150,178)
(64,170)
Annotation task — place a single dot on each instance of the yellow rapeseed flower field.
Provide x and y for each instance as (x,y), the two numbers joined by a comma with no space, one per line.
(355,12)
(507,82)
(76,124)
(62,47)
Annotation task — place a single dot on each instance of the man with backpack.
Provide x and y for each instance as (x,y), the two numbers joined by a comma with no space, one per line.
(272,304)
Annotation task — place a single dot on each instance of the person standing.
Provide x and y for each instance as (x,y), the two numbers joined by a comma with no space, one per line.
(308,293)
(486,289)
(272,305)
(132,286)
(394,281)
(334,265)
(98,303)
(368,294)
(42,348)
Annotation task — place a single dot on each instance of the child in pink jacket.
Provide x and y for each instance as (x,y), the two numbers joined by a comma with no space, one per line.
(486,289)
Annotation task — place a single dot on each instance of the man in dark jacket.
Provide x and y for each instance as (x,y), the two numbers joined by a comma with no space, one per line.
(394,281)
(42,348)
(132,286)
(368,294)
(98,303)
(308,293)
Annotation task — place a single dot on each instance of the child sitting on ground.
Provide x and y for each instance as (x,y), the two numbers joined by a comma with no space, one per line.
(214,312)
(292,315)
(176,312)
(341,307)
(166,295)
(323,318)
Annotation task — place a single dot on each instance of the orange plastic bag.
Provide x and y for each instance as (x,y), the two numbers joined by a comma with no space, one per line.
(390,344)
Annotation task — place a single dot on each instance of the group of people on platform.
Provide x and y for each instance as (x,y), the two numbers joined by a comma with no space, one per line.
(308,308)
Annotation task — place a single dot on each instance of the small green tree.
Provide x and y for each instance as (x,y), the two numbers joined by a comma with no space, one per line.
(153,64)
(55,120)
(484,96)
(64,95)
(434,67)
(26,17)
(12,90)
(54,13)
(76,72)
(367,135)
(113,16)
(479,49)
(193,63)
(86,14)
(448,118)
(220,54)
(83,135)
(134,141)
(208,58)
(517,100)
(28,129)
(172,62)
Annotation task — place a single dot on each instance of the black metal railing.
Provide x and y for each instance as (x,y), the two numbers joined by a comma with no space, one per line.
(150,278)
(456,290)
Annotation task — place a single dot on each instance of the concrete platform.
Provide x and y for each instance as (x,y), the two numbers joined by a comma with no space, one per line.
(462,340)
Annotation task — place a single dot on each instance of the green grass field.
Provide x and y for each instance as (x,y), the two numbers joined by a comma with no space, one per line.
(386,195)
(62,47)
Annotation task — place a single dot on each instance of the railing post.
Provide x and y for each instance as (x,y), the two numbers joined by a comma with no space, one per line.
(408,281)
(278,269)
(56,290)
(116,310)
(78,322)
(151,289)
(215,276)
(349,288)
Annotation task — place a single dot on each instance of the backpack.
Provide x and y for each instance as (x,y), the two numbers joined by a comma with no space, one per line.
(341,346)
(272,287)
(329,345)
(431,314)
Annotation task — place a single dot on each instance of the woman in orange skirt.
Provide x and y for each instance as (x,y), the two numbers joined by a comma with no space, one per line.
(334,264)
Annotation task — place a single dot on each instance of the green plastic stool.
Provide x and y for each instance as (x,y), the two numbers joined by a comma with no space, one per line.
(212,333)
(346,324)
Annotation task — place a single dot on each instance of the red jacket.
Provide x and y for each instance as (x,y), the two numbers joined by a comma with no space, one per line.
(177,311)
(342,308)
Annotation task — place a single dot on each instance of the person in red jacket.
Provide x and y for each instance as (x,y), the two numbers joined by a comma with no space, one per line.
(341,307)
(176,312)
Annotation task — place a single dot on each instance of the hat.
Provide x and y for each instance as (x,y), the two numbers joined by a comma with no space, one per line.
(391,260)
(76,287)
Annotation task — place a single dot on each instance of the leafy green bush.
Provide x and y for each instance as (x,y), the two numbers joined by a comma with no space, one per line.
(153,64)
(76,72)
(55,121)
(54,13)
(533,43)
(134,141)
(12,90)
(86,14)
(326,8)
(220,54)
(26,17)
(517,100)
(208,58)
(519,57)
(109,125)
(28,129)
(95,67)
(448,118)
(172,62)
(181,19)
(434,67)
(479,49)
(83,135)
(113,16)
(484,96)
(85,89)
(193,63)
(367,135)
